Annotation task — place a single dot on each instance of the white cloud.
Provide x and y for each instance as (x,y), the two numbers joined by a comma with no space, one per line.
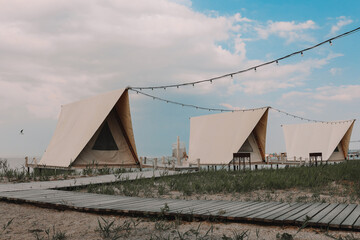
(335,71)
(239,18)
(229,106)
(273,77)
(291,31)
(342,21)
(342,93)
(53,53)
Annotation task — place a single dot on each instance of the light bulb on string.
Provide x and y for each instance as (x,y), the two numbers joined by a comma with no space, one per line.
(277,62)
(330,43)
(302,54)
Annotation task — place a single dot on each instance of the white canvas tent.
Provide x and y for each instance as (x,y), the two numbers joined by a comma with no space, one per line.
(214,138)
(330,139)
(95,130)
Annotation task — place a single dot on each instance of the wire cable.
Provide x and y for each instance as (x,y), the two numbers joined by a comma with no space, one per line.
(236,110)
(330,40)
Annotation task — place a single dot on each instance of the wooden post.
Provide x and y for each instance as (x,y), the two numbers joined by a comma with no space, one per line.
(144,160)
(208,167)
(141,163)
(163,160)
(27,164)
(34,160)
(277,166)
(300,160)
(256,166)
(173,165)
(267,160)
(250,163)
(155,164)
(198,163)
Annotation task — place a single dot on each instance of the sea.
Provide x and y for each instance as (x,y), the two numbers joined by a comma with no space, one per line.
(16,162)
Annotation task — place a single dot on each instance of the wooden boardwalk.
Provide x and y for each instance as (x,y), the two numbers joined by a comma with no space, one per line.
(82,181)
(338,216)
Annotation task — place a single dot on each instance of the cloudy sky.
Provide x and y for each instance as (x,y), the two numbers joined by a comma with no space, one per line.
(56,52)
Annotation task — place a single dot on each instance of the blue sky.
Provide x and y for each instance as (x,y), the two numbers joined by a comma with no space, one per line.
(56,53)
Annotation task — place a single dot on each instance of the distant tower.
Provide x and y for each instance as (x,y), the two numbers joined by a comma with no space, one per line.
(178,151)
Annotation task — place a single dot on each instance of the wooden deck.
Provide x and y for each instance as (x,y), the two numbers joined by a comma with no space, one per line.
(337,216)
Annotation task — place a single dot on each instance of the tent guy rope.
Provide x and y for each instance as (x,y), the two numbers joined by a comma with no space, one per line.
(254,68)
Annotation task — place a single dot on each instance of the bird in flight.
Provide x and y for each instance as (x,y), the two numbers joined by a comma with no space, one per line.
(22,132)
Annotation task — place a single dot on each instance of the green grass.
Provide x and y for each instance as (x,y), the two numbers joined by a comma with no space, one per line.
(223,181)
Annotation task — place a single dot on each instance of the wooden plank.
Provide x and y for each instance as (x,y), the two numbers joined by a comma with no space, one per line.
(293,212)
(237,206)
(250,210)
(323,213)
(356,224)
(302,213)
(331,215)
(211,207)
(127,204)
(182,206)
(259,215)
(351,219)
(250,206)
(312,213)
(254,211)
(336,222)
(226,207)
(277,214)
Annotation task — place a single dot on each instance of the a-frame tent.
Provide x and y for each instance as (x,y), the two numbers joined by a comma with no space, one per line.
(214,138)
(97,130)
(331,139)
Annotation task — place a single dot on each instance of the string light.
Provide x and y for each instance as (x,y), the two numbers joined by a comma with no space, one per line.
(242,110)
(253,67)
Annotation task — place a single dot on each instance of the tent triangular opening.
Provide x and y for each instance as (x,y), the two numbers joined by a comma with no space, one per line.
(214,138)
(331,139)
(246,147)
(94,130)
(105,140)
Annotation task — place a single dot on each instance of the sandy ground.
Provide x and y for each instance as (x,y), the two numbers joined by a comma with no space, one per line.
(30,220)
